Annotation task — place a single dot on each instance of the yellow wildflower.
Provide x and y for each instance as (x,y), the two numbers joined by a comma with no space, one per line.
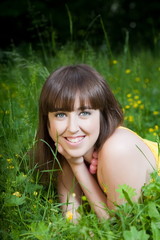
(139,102)
(17,194)
(136,91)
(129,95)
(127,107)
(128,71)
(35,193)
(9,160)
(10,167)
(114,62)
(146,80)
(50,200)
(136,97)
(141,106)
(69,215)
(135,105)
(130,118)
(130,100)
(156,127)
(137,79)
(151,130)
(152,180)
(155,113)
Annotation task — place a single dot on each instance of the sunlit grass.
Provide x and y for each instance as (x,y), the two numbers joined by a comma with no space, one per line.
(30,210)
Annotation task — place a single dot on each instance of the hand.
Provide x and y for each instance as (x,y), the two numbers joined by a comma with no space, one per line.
(94,163)
(70,159)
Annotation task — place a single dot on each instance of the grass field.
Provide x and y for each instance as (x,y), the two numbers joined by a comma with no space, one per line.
(31,211)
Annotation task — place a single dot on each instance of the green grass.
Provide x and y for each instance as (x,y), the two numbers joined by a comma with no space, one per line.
(30,210)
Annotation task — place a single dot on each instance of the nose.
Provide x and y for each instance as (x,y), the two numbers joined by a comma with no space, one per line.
(73,125)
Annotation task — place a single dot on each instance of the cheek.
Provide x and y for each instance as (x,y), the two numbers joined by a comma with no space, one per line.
(56,129)
(93,126)
(52,133)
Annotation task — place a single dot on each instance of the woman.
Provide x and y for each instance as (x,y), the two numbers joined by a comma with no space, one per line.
(80,117)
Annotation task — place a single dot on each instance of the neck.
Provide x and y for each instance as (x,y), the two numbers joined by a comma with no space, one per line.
(88,155)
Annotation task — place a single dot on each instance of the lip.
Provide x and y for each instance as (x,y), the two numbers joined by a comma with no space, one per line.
(76,140)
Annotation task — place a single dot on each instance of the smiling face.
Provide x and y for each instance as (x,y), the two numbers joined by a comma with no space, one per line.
(59,113)
(76,131)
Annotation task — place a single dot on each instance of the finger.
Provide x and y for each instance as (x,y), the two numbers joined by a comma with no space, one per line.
(94,162)
(92,169)
(95,155)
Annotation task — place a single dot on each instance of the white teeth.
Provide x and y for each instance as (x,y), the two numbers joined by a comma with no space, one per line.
(75,140)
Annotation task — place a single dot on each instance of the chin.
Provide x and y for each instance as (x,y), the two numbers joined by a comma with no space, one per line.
(76,155)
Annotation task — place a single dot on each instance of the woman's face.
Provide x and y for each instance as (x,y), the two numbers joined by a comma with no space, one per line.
(76,131)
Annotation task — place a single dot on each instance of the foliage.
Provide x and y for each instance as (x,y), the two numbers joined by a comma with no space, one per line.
(41,22)
(30,210)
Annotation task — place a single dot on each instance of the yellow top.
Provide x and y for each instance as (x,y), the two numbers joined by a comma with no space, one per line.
(153,146)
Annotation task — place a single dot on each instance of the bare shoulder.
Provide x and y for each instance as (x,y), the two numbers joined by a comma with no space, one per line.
(124,159)
(121,140)
(125,145)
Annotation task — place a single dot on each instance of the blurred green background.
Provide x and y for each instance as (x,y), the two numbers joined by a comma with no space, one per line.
(60,21)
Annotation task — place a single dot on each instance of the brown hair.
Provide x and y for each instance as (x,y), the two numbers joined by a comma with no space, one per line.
(59,92)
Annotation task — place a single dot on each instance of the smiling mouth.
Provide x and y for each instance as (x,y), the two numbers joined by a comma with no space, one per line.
(75,139)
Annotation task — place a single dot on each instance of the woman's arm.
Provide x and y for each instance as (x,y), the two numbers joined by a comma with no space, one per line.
(90,187)
(88,184)
(69,191)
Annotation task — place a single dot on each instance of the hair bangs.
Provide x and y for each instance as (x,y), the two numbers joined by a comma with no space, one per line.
(63,99)
(64,85)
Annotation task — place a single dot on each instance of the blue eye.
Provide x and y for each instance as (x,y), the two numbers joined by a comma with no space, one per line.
(85,114)
(60,115)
